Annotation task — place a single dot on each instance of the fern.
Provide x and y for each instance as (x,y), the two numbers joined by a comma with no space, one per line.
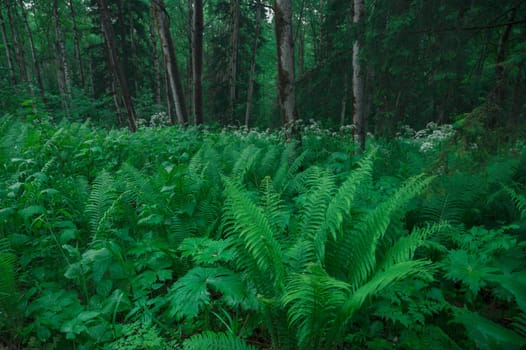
(313,299)
(341,203)
(519,201)
(216,341)
(101,203)
(8,293)
(362,259)
(254,233)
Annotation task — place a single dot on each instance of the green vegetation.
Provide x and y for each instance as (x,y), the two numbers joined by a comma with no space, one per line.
(172,238)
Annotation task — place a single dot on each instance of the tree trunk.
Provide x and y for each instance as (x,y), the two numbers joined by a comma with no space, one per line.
(18,47)
(7,47)
(76,43)
(62,65)
(36,64)
(252,77)
(171,61)
(343,110)
(496,97)
(358,80)
(155,58)
(133,47)
(286,89)
(234,44)
(197,60)
(115,64)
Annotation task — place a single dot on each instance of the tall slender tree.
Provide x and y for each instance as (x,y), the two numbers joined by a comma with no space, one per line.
(234,48)
(116,65)
(170,58)
(7,47)
(286,80)
(197,60)
(252,77)
(358,82)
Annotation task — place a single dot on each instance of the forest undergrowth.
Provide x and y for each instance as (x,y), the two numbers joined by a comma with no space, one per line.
(173,238)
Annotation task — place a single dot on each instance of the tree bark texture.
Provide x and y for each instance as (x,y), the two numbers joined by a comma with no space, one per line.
(358,82)
(76,42)
(234,45)
(252,77)
(60,54)
(286,89)
(18,47)
(171,61)
(115,64)
(34,57)
(197,60)
(7,46)
(156,80)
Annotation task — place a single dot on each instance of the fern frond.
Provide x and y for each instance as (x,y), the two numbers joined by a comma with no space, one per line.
(254,233)
(404,248)
(216,341)
(313,215)
(519,201)
(340,204)
(374,286)
(362,259)
(272,206)
(101,201)
(313,299)
(7,278)
(245,162)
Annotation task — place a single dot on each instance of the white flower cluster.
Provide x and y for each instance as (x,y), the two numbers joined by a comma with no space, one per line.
(156,120)
(429,138)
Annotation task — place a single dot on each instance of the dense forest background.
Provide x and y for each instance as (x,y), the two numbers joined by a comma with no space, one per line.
(415,61)
(281,175)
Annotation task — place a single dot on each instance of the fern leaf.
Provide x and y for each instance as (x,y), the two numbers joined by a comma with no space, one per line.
(216,341)
(486,334)
(254,233)
(313,299)
(519,200)
(340,204)
(374,286)
(245,161)
(404,249)
(101,201)
(362,260)
(8,293)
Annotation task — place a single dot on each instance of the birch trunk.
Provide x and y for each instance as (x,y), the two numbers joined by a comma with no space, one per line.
(197,60)
(252,77)
(171,61)
(286,89)
(115,64)
(358,81)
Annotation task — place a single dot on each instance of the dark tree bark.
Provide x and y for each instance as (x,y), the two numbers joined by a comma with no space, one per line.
(197,60)
(115,64)
(36,64)
(252,77)
(18,47)
(76,42)
(496,97)
(286,82)
(358,83)
(234,45)
(7,46)
(156,79)
(62,65)
(170,60)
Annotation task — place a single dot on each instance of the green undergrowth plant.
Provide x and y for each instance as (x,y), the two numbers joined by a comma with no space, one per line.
(173,238)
